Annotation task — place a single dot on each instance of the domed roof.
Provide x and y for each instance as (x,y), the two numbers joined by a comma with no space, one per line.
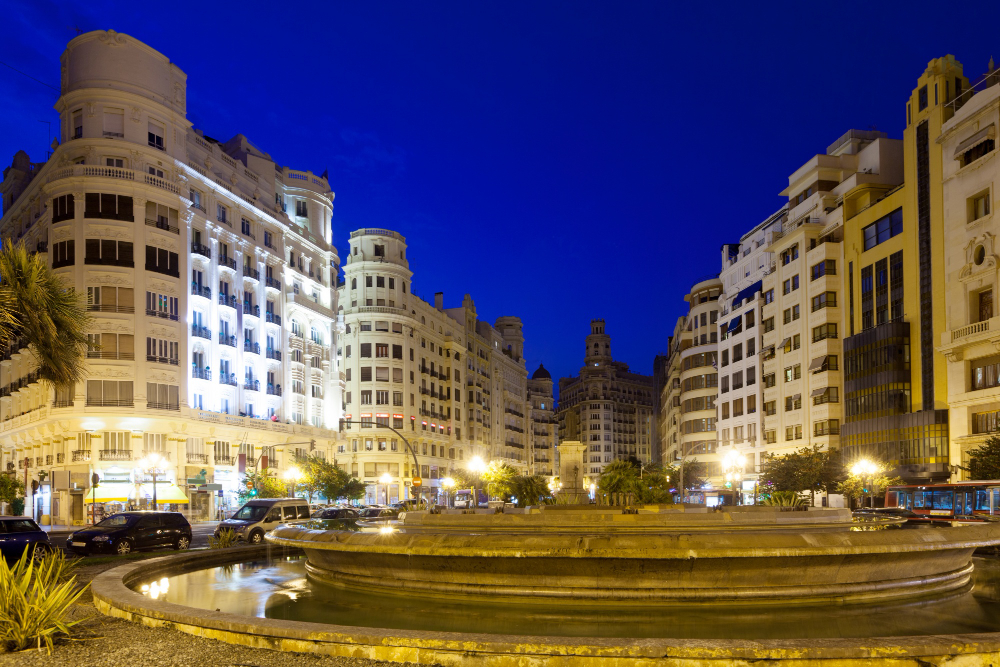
(541,374)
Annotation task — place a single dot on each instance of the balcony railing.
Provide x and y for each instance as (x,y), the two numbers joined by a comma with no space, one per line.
(227,263)
(271,282)
(109,308)
(273,354)
(153,405)
(225,460)
(274,390)
(81,455)
(251,347)
(227,300)
(201,332)
(115,455)
(107,354)
(229,379)
(251,385)
(272,318)
(201,373)
(251,310)
(200,290)
(162,223)
(227,340)
(202,250)
(109,402)
(197,458)
(249,272)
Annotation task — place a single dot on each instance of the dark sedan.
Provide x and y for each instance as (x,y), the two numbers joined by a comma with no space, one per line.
(17,534)
(131,531)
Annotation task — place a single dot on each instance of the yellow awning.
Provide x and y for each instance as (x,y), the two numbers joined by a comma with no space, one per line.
(109,492)
(165,493)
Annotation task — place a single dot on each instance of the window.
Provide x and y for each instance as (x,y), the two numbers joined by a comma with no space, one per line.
(769,296)
(63,254)
(826,395)
(978,206)
(827,427)
(725,411)
(748,320)
(161,351)
(769,408)
(790,285)
(107,252)
(63,208)
(790,255)
(738,352)
(366,373)
(397,351)
(381,373)
(221,213)
(109,207)
(751,375)
(301,208)
(381,350)
(751,346)
(366,350)
(155,135)
(77,128)
(825,268)
(883,229)
(162,261)
(751,408)
(793,372)
(825,331)
(109,393)
(738,408)
(162,396)
(246,228)
(159,305)
(824,300)
(977,151)
(793,432)
(768,325)
(725,357)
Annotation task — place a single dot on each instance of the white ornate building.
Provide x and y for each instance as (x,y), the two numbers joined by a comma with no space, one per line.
(217,261)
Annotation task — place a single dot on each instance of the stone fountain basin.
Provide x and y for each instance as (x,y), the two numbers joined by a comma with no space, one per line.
(596,557)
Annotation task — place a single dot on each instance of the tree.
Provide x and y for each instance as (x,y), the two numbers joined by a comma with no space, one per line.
(328,480)
(694,474)
(499,477)
(809,469)
(619,477)
(862,486)
(264,482)
(11,489)
(530,490)
(38,307)
(648,484)
(984,461)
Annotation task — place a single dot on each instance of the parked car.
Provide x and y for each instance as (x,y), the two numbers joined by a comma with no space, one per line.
(257,517)
(17,534)
(334,518)
(131,531)
(379,514)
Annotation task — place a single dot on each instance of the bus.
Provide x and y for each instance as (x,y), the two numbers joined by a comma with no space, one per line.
(973,501)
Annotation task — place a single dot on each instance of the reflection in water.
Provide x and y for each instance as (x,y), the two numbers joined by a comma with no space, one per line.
(280,589)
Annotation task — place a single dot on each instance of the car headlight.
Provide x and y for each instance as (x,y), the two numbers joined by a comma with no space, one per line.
(102,538)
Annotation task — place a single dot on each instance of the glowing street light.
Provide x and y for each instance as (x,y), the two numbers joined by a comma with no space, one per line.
(150,464)
(866,469)
(733,464)
(293,475)
(448,483)
(386,479)
(476,466)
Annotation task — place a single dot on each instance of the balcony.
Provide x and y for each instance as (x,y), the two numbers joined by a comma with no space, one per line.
(162,223)
(273,354)
(201,332)
(81,455)
(101,354)
(202,250)
(225,460)
(227,340)
(227,300)
(109,308)
(253,311)
(115,455)
(251,347)
(200,459)
(271,318)
(227,263)
(109,403)
(251,385)
(272,283)
(249,272)
(274,390)
(229,379)
(162,360)
(201,373)
(162,313)
(153,405)
(199,290)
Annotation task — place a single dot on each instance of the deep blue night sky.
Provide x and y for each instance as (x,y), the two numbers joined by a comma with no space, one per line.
(559,161)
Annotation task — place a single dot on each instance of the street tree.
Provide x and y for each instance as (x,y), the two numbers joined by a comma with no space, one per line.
(863,486)
(499,477)
(984,460)
(531,490)
(261,484)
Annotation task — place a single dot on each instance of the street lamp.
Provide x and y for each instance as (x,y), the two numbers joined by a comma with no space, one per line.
(476,467)
(150,463)
(386,479)
(732,465)
(865,468)
(448,483)
(293,475)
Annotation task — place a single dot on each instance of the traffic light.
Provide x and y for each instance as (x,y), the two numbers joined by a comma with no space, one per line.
(253,493)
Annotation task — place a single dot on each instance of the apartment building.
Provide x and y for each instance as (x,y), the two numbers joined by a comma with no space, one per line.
(425,388)
(803,300)
(544,426)
(238,291)
(740,412)
(607,407)
(969,117)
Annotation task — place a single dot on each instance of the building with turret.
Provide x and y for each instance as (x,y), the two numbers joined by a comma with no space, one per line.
(544,429)
(607,407)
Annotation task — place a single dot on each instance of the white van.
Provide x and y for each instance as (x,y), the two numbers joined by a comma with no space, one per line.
(257,517)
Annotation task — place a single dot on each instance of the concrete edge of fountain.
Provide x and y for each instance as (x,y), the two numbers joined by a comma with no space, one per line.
(113,597)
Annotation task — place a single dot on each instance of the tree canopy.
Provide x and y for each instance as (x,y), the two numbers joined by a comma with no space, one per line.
(984,461)
(265,482)
(325,479)
(499,478)
(648,484)
(809,469)
(863,486)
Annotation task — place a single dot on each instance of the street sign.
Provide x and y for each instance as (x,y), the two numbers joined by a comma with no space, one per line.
(417,481)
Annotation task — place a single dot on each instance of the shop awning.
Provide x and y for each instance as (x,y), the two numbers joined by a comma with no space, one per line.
(973,141)
(768,351)
(747,292)
(165,493)
(109,493)
(786,343)
(818,362)
(819,392)
(796,397)
(734,324)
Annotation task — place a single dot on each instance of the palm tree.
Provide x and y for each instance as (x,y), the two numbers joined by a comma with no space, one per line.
(619,477)
(37,307)
(530,490)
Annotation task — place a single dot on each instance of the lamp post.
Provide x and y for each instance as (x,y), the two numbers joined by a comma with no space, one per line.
(293,475)
(866,469)
(733,464)
(386,479)
(476,467)
(150,463)
(448,483)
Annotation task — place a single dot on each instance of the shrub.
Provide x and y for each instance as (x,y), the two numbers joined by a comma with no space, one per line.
(226,539)
(35,598)
(784,499)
